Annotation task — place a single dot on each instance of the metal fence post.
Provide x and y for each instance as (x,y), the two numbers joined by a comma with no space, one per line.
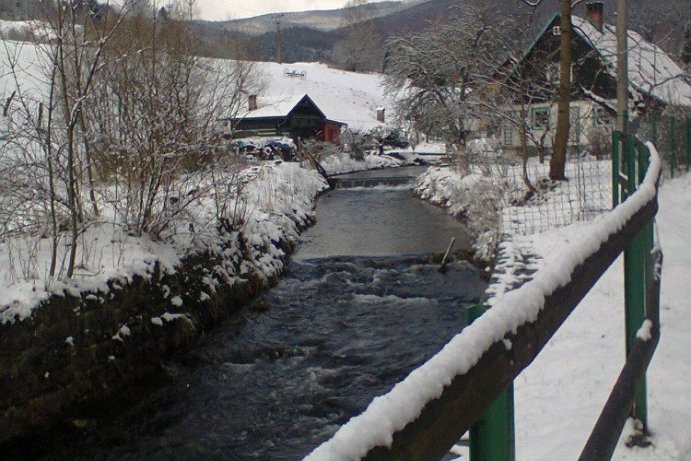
(616,166)
(636,262)
(672,145)
(492,436)
(688,143)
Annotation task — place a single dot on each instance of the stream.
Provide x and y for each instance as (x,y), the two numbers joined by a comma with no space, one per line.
(360,307)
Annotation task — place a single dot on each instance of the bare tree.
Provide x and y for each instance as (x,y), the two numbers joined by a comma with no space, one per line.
(157,118)
(435,73)
(114,112)
(46,123)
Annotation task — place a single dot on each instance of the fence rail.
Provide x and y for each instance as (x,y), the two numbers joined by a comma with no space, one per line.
(441,421)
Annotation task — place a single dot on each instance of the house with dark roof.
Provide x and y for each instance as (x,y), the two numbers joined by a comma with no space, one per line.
(656,82)
(293,116)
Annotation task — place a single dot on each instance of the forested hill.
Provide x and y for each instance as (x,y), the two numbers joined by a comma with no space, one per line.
(665,22)
(341,36)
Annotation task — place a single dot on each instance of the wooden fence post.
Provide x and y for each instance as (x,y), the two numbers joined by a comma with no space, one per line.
(492,436)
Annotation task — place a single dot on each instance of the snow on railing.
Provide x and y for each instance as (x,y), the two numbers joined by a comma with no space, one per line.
(560,287)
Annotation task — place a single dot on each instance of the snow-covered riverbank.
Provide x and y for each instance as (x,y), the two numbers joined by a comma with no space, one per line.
(274,199)
(134,300)
(559,397)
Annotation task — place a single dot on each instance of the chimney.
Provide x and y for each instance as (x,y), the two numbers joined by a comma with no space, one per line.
(381,114)
(252,102)
(595,14)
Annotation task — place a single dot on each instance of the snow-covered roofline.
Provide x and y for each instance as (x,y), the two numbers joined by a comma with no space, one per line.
(279,106)
(651,71)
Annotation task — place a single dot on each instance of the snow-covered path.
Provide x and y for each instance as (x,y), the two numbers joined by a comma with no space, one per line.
(559,397)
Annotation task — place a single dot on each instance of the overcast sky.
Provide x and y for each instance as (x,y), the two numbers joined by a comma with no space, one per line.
(219,10)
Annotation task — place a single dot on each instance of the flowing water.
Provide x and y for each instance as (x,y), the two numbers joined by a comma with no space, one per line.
(359,309)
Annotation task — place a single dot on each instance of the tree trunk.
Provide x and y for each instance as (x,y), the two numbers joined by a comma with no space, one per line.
(557,164)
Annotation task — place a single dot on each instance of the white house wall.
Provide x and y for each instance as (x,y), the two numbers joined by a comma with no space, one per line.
(583,120)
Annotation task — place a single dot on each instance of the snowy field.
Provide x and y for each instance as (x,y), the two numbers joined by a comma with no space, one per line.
(347,97)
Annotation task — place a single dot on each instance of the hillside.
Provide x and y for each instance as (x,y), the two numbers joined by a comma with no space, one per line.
(322,20)
(346,97)
(310,36)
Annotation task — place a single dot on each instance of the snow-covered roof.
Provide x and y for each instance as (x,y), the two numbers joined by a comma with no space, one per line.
(347,97)
(272,106)
(651,70)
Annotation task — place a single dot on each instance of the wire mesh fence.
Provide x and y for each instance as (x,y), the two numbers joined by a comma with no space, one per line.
(586,194)
(671,136)
(588,190)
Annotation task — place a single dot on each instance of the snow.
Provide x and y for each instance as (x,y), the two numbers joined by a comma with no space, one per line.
(490,195)
(157,321)
(276,197)
(431,148)
(650,69)
(27,29)
(466,195)
(176,301)
(347,97)
(343,163)
(645,332)
(272,106)
(168,317)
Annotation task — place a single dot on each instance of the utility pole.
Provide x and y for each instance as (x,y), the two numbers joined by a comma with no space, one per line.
(278,38)
(622,67)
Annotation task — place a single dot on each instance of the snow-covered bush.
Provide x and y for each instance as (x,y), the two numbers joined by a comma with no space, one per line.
(470,195)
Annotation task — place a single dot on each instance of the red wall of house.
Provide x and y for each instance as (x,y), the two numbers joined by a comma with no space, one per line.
(332,132)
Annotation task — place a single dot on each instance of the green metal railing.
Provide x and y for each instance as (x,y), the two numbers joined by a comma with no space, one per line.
(492,437)
(629,165)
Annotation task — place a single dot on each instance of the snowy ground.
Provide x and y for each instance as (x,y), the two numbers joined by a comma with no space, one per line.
(347,97)
(559,397)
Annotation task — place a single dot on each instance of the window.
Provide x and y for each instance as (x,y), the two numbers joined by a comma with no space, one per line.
(539,118)
(601,117)
(556,31)
(553,73)
(508,134)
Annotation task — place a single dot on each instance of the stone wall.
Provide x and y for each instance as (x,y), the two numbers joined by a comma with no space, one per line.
(75,352)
